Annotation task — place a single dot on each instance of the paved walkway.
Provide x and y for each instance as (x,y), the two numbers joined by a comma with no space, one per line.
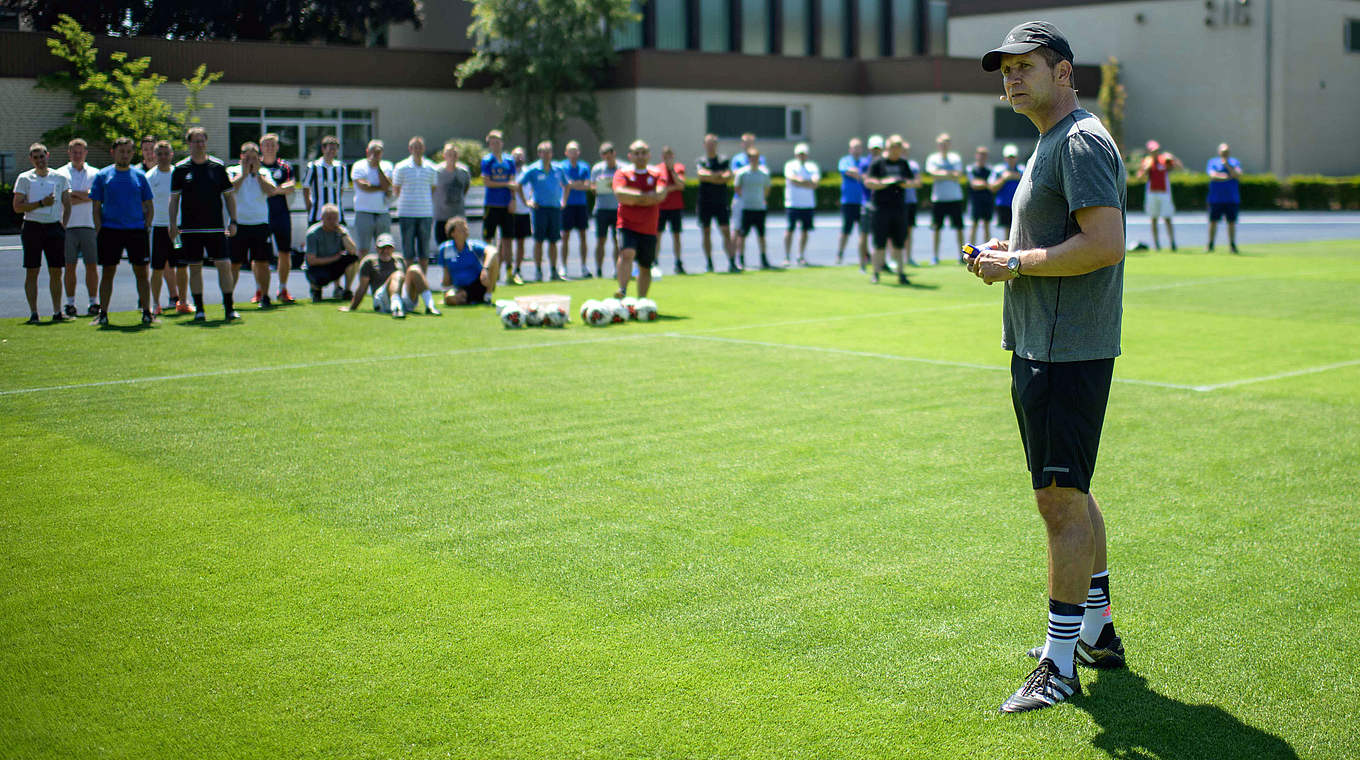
(1191,234)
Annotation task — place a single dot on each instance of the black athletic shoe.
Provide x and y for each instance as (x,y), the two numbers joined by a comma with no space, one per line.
(347,295)
(265,303)
(59,317)
(679,268)
(316,295)
(33,319)
(1107,657)
(902,279)
(101,321)
(586,275)
(1044,687)
(1173,246)
(70,310)
(1209,248)
(1233,247)
(231,316)
(147,319)
(93,311)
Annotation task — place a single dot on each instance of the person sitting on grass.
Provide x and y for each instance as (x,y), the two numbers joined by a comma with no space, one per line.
(469,273)
(330,251)
(394,285)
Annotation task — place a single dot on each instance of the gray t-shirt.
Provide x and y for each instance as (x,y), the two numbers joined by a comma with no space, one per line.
(323,242)
(751,183)
(1065,319)
(450,188)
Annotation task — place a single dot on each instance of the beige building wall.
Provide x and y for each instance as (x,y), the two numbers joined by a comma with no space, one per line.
(1192,85)
(921,118)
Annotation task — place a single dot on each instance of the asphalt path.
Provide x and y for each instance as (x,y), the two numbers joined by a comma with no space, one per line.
(1254,228)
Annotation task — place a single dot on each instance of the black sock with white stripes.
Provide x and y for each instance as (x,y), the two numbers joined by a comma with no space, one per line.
(1064,623)
(1097,626)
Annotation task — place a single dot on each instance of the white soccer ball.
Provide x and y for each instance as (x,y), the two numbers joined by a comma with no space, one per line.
(596,314)
(555,316)
(646,310)
(512,316)
(616,306)
(504,304)
(631,304)
(533,316)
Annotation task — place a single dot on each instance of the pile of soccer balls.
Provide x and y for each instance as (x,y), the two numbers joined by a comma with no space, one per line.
(515,316)
(612,311)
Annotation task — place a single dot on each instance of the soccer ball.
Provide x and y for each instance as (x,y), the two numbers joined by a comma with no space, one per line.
(616,306)
(504,304)
(533,316)
(596,314)
(646,310)
(512,316)
(555,316)
(631,304)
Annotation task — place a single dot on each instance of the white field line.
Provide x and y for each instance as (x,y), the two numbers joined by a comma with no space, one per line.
(1278,376)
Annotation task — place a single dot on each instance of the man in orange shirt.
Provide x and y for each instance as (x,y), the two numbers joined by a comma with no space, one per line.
(673,205)
(640,191)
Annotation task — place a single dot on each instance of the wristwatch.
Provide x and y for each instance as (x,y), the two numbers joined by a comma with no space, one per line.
(1013,265)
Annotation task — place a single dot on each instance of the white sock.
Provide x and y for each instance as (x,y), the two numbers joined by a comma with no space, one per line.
(1097,613)
(70,300)
(428,297)
(1064,623)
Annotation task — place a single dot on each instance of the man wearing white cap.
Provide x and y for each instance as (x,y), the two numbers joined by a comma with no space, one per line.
(801,176)
(1156,169)
(394,285)
(875,146)
(1005,178)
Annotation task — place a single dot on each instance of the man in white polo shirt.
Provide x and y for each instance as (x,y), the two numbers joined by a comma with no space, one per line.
(44,198)
(801,176)
(414,179)
(80,234)
(253,185)
(372,177)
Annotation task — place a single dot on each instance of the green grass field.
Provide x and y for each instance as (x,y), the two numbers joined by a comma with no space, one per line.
(789,521)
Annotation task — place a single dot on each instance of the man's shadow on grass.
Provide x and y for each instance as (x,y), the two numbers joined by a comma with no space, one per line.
(1137,722)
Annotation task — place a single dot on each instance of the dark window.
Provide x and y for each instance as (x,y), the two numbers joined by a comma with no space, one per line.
(835,42)
(755,27)
(1009,125)
(672,24)
(872,30)
(904,26)
(629,36)
(9,20)
(797,23)
(767,122)
(938,24)
(1353,35)
(715,22)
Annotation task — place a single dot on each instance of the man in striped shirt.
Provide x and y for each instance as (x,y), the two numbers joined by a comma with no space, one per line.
(326,180)
(414,179)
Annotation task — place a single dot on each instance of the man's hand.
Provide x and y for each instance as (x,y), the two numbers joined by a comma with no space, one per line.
(990,265)
(231,229)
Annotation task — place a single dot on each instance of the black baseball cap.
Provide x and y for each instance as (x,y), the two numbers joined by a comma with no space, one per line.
(1027,37)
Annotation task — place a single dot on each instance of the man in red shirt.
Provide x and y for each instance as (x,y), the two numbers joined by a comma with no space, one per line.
(640,191)
(1156,168)
(673,204)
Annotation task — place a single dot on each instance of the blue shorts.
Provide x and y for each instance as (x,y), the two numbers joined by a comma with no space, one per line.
(1224,211)
(606,221)
(547,224)
(575,218)
(801,216)
(851,214)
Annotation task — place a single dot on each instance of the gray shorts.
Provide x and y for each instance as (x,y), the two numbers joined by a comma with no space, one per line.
(80,244)
(382,301)
(368,226)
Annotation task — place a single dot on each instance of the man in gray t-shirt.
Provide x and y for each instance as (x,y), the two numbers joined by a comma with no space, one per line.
(752,183)
(1064,274)
(451,182)
(330,250)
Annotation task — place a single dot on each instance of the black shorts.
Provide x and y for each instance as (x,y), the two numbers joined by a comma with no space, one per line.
(713,212)
(281,228)
(669,217)
(523,226)
(752,220)
(163,251)
(476,292)
(111,244)
(194,247)
(575,218)
(911,216)
(1060,407)
(980,209)
(1227,211)
(1003,216)
(800,216)
(951,210)
(851,215)
(497,219)
(251,243)
(606,221)
(43,240)
(644,247)
(890,225)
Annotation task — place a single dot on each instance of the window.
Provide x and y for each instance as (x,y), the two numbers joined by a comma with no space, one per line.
(1009,125)
(797,26)
(767,122)
(672,24)
(835,29)
(904,28)
(715,26)
(871,31)
(629,36)
(300,130)
(937,24)
(9,20)
(1353,35)
(755,27)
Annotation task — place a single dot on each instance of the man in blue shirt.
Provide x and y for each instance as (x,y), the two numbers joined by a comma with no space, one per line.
(469,274)
(576,213)
(1005,178)
(1224,195)
(852,198)
(498,177)
(548,182)
(123,207)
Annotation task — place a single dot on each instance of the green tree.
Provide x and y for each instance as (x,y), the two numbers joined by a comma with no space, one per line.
(122,99)
(543,59)
(1111,99)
